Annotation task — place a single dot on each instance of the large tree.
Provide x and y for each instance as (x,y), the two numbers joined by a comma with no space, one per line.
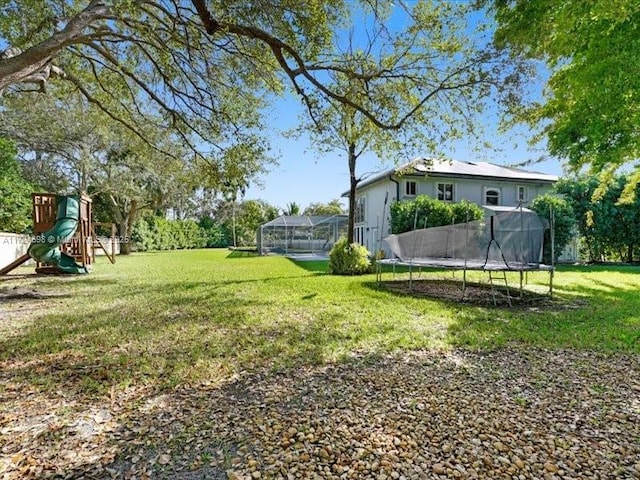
(141,62)
(68,146)
(444,76)
(590,110)
(199,62)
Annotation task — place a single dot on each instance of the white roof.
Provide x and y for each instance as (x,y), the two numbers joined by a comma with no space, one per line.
(455,168)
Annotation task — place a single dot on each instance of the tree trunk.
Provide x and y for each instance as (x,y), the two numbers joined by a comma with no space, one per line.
(353,183)
(233,223)
(123,232)
(124,220)
(21,67)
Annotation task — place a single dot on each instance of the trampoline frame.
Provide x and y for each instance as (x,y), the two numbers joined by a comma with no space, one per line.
(465,264)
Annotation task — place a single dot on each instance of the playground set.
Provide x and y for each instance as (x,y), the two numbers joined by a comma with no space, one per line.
(65,239)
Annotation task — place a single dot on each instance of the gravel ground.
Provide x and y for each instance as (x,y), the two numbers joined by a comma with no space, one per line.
(511,413)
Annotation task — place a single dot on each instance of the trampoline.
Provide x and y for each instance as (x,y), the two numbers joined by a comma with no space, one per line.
(507,240)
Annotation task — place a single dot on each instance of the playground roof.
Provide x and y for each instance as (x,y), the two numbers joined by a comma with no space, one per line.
(304,221)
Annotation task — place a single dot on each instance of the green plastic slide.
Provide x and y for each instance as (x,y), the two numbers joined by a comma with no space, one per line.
(46,246)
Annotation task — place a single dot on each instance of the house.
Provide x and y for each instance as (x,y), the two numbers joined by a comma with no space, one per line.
(448,180)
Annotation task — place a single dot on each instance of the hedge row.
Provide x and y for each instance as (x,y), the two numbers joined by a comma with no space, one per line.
(431,213)
(156,233)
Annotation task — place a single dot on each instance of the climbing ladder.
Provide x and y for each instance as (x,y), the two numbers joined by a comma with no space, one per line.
(499,275)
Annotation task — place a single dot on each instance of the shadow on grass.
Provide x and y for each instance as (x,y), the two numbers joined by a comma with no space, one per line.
(17,276)
(314,266)
(599,317)
(243,253)
(594,268)
(599,314)
(159,336)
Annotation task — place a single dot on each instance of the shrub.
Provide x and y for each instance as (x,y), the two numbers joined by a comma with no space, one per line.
(157,233)
(195,236)
(215,234)
(349,259)
(565,223)
(141,236)
(431,213)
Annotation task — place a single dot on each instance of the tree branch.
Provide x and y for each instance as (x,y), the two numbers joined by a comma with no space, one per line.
(20,67)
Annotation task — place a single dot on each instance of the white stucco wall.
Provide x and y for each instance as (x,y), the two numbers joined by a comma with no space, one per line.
(474,190)
(12,247)
(377,216)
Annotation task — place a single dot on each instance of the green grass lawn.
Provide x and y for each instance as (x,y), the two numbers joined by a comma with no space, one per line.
(191,316)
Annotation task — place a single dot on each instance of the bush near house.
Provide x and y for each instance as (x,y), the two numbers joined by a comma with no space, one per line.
(349,259)
(565,223)
(431,213)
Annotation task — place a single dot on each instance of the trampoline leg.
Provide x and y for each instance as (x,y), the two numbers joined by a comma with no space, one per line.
(493,292)
(464,283)
(521,278)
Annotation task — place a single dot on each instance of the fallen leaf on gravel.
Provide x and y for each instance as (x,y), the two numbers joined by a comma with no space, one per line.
(500,414)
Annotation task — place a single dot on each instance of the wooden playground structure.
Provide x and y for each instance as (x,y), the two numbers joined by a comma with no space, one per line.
(82,246)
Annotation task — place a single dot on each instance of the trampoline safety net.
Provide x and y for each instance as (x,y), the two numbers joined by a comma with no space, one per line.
(503,240)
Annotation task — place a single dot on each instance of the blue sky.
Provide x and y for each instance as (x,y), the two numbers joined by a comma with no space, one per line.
(305,176)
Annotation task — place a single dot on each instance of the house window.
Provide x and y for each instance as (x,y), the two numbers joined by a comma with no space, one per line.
(445,192)
(522,193)
(492,196)
(409,188)
(358,235)
(360,206)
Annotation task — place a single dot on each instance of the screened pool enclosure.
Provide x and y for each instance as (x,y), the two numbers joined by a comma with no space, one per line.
(300,234)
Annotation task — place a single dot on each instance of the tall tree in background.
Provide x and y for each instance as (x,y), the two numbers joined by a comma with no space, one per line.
(443,76)
(334,207)
(590,110)
(71,146)
(248,215)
